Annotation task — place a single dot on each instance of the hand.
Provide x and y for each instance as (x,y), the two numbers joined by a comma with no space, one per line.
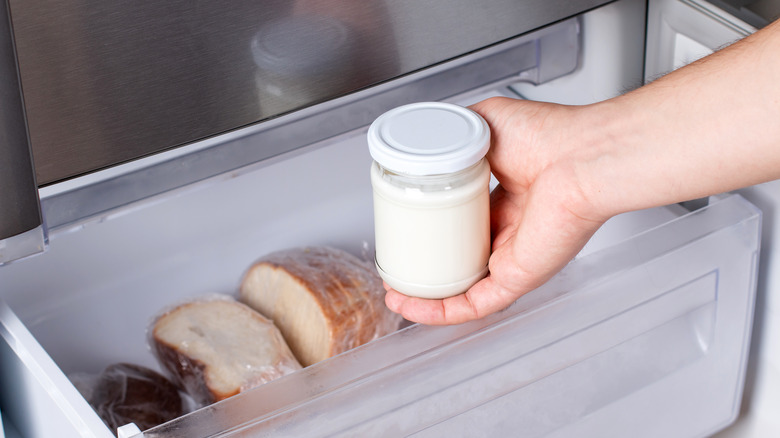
(564,170)
(540,216)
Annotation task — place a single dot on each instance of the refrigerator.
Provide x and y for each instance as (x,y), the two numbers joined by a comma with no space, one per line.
(152,152)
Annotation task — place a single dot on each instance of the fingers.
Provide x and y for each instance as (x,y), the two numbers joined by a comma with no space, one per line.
(525,255)
(429,312)
(482,299)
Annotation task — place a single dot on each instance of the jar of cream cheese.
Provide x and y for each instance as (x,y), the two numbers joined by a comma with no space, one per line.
(431,185)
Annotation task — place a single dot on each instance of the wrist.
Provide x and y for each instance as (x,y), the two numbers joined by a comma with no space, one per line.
(627,159)
(593,158)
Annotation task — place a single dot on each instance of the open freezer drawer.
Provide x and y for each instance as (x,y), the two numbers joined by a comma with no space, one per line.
(646,338)
(645,335)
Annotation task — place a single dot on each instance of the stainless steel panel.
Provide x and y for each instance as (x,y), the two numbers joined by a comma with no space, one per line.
(535,57)
(19,208)
(107,82)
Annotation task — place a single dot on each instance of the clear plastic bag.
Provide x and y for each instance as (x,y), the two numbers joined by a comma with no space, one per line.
(324,300)
(215,347)
(126,393)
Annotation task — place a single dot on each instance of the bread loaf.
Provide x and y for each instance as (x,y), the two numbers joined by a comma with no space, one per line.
(325,301)
(217,348)
(126,393)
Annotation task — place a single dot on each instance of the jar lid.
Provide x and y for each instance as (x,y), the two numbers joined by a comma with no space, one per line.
(428,138)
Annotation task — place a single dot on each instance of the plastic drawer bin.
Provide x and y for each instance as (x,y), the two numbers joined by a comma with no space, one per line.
(643,336)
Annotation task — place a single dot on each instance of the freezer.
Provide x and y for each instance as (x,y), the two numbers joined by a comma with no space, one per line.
(651,331)
(645,333)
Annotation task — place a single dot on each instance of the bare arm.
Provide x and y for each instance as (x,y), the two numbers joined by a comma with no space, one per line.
(710,127)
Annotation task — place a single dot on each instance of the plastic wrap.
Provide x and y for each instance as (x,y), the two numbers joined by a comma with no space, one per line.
(126,393)
(324,300)
(217,347)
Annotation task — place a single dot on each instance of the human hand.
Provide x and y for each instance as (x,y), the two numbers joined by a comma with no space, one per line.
(540,214)
(564,170)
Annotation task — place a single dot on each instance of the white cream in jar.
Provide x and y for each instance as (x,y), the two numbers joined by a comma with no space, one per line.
(431,198)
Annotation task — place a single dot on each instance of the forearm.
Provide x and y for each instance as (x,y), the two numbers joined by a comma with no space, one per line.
(710,127)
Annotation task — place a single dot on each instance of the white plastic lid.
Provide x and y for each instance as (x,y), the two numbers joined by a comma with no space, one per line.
(428,138)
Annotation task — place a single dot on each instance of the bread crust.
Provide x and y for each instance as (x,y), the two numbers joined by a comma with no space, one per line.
(187,373)
(347,291)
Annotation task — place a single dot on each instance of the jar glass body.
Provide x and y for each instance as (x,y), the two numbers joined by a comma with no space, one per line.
(432,231)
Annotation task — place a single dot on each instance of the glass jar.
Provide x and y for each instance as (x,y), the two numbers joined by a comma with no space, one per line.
(431,187)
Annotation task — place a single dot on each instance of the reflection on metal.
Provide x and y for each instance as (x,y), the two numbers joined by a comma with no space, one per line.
(108,82)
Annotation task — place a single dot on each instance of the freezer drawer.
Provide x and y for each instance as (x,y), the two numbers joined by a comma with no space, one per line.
(644,335)
(644,338)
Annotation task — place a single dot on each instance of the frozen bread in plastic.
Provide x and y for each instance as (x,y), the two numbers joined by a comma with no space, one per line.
(216,348)
(324,300)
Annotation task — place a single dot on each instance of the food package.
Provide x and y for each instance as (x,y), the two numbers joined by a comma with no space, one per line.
(127,393)
(217,347)
(324,300)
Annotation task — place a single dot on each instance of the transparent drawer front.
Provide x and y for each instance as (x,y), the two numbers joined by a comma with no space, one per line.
(35,392)
(645,338)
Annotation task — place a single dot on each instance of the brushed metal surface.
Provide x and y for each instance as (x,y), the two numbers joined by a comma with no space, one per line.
(107,82)
(95,196)
(19,208)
